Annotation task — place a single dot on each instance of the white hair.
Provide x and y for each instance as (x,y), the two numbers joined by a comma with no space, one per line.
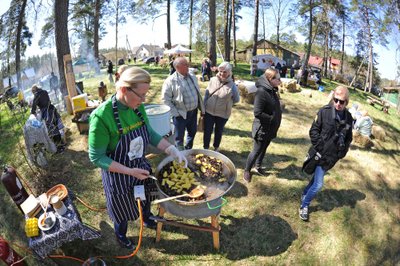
(226,66)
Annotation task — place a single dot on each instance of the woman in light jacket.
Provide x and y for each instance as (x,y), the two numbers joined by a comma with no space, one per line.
(219,98)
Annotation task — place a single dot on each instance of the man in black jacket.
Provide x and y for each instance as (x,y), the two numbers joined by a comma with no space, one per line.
(331,135)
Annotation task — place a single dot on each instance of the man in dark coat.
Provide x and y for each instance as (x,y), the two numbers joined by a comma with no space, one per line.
(110,71)
(331,135)
(54,86)
(267,120)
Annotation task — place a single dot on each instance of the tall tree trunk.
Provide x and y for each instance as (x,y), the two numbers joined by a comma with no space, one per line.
(213,37)
(8,61)
(358,71)
(21,18)
(263,22)
(230,29)
(369,78)
(307,56)
(278,24)
(234,32)
(255,32)
(371,70)
(343,39)
(326,40)
(169,24)
(326,55)
(330,54)
(226,32)
(116,32)
(96,26)
(190,29)
(62,41)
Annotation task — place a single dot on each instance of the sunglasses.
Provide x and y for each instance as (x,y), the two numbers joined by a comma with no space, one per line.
(143,98)
(336,100)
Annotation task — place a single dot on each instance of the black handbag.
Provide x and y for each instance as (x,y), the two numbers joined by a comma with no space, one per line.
(312,160)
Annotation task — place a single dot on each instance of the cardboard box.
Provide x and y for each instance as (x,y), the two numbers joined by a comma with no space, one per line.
(82,121)
(83,127)
(30,206)
(79,102)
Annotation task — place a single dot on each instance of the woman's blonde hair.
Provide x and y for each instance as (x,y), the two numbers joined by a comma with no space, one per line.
(343,90)
(270,73)
(132,76)
(121,69)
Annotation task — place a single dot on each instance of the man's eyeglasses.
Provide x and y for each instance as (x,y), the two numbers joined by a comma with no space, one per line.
(336,100)
(140,96)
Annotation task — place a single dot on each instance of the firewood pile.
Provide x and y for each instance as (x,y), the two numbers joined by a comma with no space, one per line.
(245,96)
(361,140)
(378,132)
(290,86)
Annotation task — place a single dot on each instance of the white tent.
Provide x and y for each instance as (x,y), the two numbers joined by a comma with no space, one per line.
(179,49)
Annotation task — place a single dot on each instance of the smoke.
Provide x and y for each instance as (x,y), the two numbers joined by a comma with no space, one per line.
(86,64)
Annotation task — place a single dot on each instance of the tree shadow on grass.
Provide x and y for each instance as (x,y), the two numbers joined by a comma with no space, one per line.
(238,190)
(240,238)
(236,132)
(69,174)
(295,141)
(393,153)
(291,172)
(331,198)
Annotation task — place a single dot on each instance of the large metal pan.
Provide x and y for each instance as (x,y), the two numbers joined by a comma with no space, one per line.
(213,201)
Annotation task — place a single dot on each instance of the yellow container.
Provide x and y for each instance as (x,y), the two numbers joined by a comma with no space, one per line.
(79,102)
(31,227)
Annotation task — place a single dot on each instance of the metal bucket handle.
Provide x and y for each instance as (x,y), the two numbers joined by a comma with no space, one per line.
(224,201)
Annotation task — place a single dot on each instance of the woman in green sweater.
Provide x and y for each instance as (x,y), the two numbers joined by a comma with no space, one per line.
(118,135)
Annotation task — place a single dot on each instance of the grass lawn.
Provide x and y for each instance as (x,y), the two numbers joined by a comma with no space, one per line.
(354,220)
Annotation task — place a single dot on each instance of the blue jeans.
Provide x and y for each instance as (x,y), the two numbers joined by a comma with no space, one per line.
(209,122)
(313,187)
(190,125)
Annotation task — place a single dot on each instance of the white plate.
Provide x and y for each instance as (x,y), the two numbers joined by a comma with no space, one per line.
(51,217)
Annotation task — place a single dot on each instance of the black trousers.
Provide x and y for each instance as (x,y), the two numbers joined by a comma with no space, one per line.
(256,156)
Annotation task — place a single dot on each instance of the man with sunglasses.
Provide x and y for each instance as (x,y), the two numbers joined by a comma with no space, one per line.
(331,135)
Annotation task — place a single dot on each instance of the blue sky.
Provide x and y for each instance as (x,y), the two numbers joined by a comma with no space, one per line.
(155,33)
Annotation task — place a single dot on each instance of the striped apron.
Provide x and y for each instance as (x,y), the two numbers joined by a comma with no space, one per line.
(121,205)
(52,119)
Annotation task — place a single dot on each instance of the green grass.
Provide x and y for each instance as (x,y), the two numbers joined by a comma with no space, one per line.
(354,220)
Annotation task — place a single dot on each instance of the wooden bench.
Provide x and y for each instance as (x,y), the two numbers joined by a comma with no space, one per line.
(383,103)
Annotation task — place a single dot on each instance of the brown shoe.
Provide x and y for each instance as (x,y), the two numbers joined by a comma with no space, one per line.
(247,176)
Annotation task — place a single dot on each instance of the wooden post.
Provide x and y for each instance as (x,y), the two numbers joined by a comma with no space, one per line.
(215,235)
(68,104)
(161,212)
(69,76)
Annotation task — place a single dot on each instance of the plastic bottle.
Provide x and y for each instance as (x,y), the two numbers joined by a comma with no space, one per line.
(14,186)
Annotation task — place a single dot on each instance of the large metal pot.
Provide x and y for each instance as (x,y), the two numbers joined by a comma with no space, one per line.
(213,201)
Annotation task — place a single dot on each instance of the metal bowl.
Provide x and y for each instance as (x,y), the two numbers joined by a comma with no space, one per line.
(213,201)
